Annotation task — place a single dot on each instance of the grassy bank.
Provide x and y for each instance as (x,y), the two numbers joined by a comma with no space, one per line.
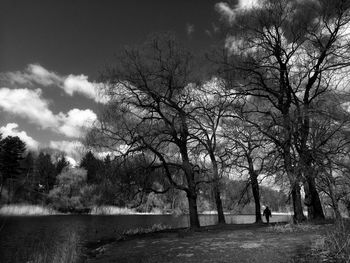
(26,210)
(114,210)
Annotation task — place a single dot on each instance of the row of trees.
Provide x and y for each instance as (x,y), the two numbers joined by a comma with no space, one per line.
(27,175)
(48,178)
(275,104)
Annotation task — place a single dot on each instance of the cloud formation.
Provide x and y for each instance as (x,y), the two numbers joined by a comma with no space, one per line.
(75,122)
(80,84)
(30,105)
(73,149)
(71,84)
(11,129)
(229,13)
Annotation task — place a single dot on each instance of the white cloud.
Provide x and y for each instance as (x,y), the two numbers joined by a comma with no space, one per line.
(71,161)
(28,104)
(71,84)
(42,76)
(75,122)
(34,73)
(11,130)
(229,13)
(80,84)
(248,4)
(225,10)
(73,149)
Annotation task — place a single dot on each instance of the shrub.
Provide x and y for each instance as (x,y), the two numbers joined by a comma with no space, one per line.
(68,194)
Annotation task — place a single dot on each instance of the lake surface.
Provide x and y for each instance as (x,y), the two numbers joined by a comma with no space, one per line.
(38,238)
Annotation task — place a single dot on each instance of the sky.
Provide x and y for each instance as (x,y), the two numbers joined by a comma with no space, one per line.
(52,53)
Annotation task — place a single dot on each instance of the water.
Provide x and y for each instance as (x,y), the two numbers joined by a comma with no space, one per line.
(23,238)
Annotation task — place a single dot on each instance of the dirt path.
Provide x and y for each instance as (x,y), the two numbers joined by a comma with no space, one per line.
(231,243)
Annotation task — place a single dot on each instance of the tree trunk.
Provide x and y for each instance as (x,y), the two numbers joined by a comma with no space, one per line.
(255,189)
(192,205)
(191,190)
(256,195)
(315,210)
(218,202)
(289,168)
(312,198)
(297,204)
(221,216)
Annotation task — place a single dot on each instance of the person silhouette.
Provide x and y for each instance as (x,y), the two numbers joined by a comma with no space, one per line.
(267,214)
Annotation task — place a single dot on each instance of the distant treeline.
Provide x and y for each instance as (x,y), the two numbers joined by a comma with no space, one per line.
(47,178)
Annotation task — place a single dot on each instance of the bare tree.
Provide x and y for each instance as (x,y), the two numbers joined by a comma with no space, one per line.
(288,53)
(211,103)
(148,112)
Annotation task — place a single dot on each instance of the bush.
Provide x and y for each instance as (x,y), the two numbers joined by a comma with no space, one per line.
(69,195)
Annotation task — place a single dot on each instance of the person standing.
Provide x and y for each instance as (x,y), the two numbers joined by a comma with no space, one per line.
(267,214)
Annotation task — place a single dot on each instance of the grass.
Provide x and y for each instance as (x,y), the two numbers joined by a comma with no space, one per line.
(141,230)
(30,210)
(65,252)
(337,241)
(291,228)
(111,210)
(25,209)
(114,210)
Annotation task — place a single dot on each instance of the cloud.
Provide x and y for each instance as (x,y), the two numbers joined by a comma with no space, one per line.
(71,161)
(229,13)
(75,122)
(73,149)
(80,84)
(72,84)
(225,10)
(28,104)
(33,73)
(189,29)
(11,130)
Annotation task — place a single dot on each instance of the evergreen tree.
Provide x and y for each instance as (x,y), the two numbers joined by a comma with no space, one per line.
(29,182)
(61,164)
(45,172)
(91,165)
(12,149)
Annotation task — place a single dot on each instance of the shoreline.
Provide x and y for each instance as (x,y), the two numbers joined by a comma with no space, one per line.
(39,210)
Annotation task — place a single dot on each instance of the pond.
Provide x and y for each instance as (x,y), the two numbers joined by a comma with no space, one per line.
(37,238)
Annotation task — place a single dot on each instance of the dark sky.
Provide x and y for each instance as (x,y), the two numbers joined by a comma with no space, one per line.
(80,36)
(51,53)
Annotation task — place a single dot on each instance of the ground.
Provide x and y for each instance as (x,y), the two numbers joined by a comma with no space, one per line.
(229,243)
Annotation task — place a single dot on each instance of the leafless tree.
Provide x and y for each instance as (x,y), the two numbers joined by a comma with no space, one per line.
(149,109)
(287,54)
